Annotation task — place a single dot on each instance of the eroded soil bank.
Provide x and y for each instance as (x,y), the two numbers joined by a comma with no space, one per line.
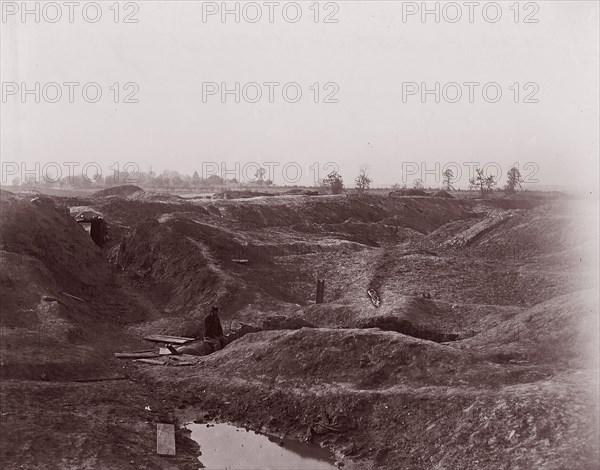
(506,374)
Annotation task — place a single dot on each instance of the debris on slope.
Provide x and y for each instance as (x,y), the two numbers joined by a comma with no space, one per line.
(476,231)
(469,231)
(374,296)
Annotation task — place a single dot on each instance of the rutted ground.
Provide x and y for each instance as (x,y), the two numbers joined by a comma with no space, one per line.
(496,365)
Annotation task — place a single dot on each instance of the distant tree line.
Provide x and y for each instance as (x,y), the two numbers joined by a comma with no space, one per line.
(332,183)
(487,183)
(166,180)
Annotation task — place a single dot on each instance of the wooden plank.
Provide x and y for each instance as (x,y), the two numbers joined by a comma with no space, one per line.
(168,339)
(320,291)
(165,439)
(73,297)
(182,360)
(137,355)
(183,364)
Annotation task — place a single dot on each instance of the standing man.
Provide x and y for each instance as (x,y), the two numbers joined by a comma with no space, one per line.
(98,231)
(213,331)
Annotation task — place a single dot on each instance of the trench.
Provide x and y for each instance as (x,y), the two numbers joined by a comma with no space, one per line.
(405,327)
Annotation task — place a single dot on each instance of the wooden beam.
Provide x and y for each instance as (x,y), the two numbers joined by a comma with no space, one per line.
(320,291)
(165,439)
(73,297)
(168,339)
(137,355)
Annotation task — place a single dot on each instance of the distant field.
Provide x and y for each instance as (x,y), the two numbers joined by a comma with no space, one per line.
(206,192)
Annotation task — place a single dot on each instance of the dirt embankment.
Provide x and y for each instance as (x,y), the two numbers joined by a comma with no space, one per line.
(58,296)
(563,330)
(421,214)
(181,257)
(401,402)
(515,386)
(500,393)
(190,254)
(38,228)
(62,316)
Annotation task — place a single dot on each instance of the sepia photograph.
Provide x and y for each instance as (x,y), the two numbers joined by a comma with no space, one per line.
(300,235)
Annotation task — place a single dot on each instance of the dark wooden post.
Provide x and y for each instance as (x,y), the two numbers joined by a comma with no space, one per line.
(320,291)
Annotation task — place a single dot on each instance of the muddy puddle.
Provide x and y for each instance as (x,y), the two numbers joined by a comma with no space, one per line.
(227,447)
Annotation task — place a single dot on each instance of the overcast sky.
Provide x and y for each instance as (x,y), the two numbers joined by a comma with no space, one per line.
(368,54)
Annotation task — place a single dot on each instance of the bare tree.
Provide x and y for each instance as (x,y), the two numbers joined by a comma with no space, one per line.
(196,180)
(482,182)
(334,182)
(418,184)
(260,175)
(490,183)
(362,181)
(448,178)
(514,180)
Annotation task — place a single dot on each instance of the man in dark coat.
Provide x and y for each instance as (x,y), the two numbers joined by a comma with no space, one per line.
(213,331)
(98,231)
